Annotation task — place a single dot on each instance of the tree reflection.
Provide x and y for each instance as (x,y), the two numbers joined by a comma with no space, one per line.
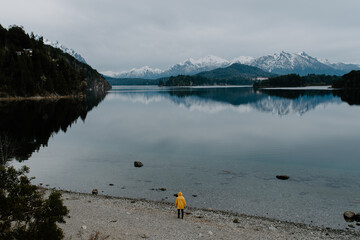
(352,97)
(25,126)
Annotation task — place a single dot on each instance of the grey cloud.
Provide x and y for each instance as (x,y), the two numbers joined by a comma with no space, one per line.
(118,35)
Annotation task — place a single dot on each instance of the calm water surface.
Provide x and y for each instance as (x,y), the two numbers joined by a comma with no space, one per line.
(225,145)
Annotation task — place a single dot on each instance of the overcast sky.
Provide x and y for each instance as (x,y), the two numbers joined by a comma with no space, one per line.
(119,35)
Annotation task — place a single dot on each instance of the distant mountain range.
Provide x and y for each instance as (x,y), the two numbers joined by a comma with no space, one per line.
(278,63)
(188,67)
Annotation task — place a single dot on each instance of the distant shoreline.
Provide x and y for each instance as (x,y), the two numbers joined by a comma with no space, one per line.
(320,87)
(38,98)
(128,218)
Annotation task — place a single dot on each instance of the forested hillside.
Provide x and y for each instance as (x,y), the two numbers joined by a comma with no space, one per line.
(349,81)
(29,68)
(294,80)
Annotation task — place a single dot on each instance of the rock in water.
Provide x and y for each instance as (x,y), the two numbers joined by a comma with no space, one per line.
(282,177)
(95,191)
(348,215)
(138,164)
(357,217)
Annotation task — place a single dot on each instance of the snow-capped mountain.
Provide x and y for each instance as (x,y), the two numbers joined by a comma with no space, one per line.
(192,66)
(300,63)
(143,72)
(188,67)
(279,63)
(58,45)
(247,60)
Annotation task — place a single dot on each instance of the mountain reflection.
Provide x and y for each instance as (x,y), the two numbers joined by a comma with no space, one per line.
(25,126)
(281,102)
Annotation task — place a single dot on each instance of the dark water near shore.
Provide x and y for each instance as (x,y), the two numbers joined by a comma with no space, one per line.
(225,145)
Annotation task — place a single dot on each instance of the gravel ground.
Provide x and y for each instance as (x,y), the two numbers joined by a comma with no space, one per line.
(121,218)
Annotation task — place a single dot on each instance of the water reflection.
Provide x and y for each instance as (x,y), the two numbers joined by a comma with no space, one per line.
(28,125)
(25,126)
(228,159)
(280,102)
(352,97)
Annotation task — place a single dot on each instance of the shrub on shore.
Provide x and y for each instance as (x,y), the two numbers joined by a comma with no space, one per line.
(24,211)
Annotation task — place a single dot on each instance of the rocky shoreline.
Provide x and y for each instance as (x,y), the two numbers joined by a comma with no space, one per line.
(125,218)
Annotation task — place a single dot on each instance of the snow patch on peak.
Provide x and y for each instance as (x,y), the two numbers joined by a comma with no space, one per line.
(58,45)
(211,59)
(243,60)
(146,69)
(324,61)
(304,54)
(188,61)
(193,66)
(208,60)
(109,73)
(142,72)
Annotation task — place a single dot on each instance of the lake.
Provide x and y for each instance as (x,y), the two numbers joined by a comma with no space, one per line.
(221,146)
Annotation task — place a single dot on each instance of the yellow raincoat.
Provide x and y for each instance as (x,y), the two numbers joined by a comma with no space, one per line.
(180,202)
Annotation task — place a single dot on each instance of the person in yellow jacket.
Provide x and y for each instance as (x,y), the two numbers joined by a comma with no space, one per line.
(180,203)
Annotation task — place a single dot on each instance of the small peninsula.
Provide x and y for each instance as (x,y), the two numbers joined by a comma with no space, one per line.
(294,80)
(350,81)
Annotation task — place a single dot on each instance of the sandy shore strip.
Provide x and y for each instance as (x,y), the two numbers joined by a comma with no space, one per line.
(123,218)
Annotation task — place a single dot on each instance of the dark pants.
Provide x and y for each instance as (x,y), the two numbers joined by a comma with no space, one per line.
(182,213)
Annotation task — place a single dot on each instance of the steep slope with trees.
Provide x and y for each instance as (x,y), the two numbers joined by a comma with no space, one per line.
(29,68)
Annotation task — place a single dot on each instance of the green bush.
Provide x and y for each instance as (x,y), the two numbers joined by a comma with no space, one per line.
(24,211)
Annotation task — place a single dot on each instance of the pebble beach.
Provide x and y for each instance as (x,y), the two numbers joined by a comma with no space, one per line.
(108,217)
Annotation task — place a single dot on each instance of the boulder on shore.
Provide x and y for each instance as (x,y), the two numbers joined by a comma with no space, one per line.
(282,177)
(348,215)
(138,164)
(357,217)
(95,191)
